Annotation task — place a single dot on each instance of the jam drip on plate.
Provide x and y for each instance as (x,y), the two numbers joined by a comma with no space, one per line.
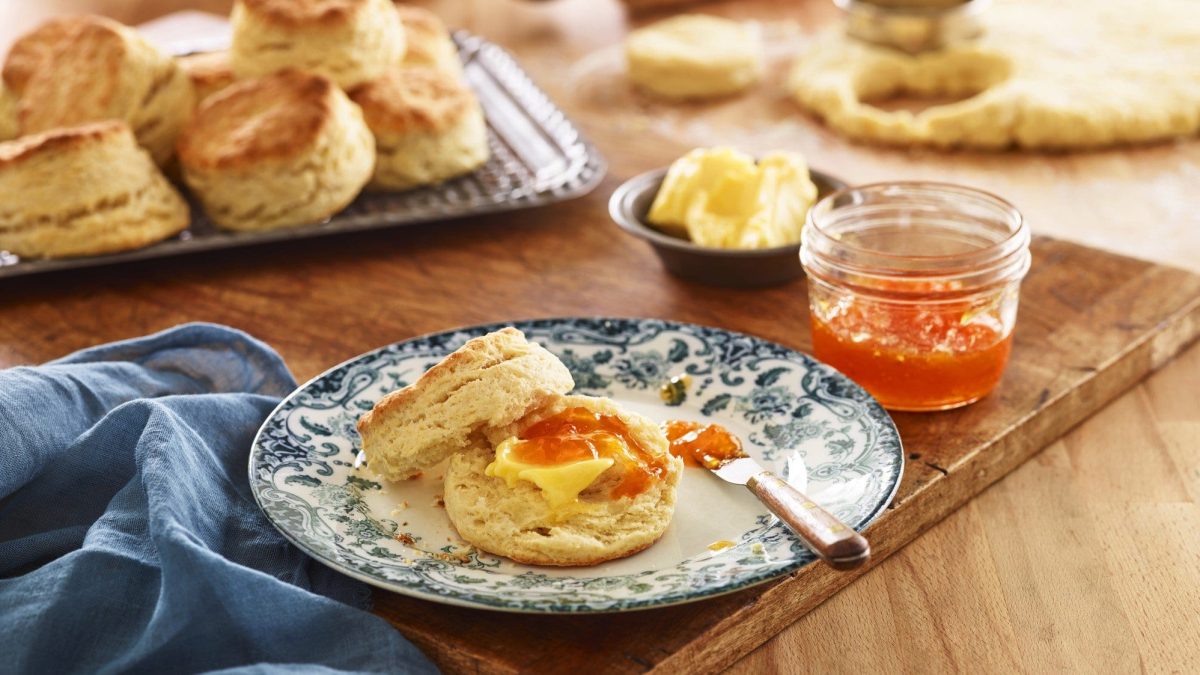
(700,444)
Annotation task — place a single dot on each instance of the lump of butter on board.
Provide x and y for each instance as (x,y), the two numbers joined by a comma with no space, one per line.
(559,483)
(722,198)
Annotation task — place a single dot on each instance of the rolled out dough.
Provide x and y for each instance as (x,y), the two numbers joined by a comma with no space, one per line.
(1047,74)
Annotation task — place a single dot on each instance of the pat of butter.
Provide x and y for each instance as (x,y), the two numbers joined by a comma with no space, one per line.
(559,483)
(722,198)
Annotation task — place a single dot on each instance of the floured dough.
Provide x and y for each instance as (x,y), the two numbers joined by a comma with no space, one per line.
(1046,74)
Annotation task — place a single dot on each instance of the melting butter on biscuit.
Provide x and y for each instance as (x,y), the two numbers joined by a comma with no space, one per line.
(559,483)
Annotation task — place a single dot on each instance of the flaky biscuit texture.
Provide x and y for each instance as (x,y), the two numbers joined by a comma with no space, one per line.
(490,381)
(102,70)
(280,151)
(349,41)
(84,191)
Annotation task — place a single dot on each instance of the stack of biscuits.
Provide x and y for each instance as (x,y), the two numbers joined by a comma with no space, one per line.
(314,101)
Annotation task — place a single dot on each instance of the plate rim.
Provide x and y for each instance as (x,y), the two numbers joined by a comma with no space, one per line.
(677,598)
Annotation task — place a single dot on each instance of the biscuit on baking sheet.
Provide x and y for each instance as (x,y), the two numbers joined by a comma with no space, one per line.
(428,128)
(428,42)
(492,380)
(84,190)
(349,41)
(8,113)
(277,151)
(28,51)
(97,69)
(209,72)
(516,521)
(695,56)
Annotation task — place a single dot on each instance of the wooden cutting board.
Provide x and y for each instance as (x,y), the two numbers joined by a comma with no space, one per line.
(1091,325)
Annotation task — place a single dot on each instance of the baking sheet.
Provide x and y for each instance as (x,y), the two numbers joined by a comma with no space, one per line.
(538,158)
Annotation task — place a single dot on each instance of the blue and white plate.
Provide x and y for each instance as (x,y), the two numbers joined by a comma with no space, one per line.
(798,417)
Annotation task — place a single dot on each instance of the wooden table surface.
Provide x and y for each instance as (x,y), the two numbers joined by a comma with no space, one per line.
(1085,558)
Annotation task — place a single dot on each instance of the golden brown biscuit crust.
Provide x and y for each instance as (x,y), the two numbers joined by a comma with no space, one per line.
(27,53)
(210,72)
(297,13)
(277,116)
(475,349)
(413,99)
(16,151)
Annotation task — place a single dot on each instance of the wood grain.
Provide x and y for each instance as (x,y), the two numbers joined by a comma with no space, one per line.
(1043,571)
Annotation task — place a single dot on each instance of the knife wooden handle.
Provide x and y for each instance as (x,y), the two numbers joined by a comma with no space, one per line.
(831,539)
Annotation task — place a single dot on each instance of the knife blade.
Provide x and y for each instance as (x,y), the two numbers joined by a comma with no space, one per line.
(821,532)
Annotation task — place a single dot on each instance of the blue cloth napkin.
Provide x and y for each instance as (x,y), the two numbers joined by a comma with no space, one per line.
(129,540)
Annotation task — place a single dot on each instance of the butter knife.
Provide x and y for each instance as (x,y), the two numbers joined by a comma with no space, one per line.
(823,534)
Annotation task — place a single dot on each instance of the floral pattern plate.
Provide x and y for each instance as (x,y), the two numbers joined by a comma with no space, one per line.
(798,417)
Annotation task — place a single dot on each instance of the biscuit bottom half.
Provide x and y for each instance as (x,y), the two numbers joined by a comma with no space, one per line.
(517,522)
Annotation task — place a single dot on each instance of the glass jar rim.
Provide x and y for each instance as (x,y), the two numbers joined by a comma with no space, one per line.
(824,254)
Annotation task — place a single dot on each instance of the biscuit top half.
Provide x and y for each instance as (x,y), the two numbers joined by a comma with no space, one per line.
(413,99)
(278,116)
(14,153)
(305,13)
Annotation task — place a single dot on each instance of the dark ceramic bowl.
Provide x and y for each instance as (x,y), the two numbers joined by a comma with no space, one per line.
(704,265)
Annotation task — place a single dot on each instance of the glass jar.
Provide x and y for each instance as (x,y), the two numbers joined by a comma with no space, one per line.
(913,289)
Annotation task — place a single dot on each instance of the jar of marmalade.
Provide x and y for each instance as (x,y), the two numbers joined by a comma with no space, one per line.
(913,289)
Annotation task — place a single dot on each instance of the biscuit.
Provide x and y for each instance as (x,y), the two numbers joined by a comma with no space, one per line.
(99,69)
(209,72)
(349,41)
(84,190)
(428,128)
(8,113)
(694,56)
(278,151)
(428,42)
(518,523)
(27,52)
(491,381)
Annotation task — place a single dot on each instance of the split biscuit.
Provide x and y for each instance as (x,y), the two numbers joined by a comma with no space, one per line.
(349,41)
(491,381)
(92,69)
(84,190)
(517,521)
(428,128)
(278,151)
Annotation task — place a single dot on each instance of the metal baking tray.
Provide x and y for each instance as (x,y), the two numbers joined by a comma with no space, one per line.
(538,158)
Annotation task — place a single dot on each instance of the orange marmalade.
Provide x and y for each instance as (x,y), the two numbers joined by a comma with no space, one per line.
(700,444)
(913,290)
(912,359)
(579,434)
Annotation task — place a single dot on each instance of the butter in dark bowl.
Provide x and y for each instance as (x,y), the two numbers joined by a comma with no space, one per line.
(729,268)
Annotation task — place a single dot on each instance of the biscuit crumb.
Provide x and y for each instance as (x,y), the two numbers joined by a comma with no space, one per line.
(416,476)
(405,538)
(440,502)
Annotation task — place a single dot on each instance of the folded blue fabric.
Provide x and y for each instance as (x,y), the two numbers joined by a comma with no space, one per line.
(129,540)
